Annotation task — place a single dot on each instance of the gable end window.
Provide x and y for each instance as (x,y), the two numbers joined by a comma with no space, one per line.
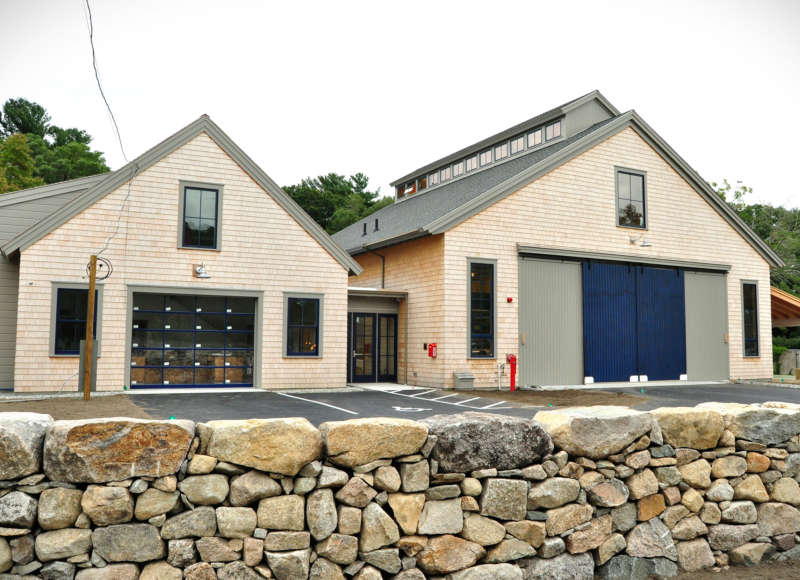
(69,319)
(200,217)
(631,199)
(481,309)
(750,318)
(303,325)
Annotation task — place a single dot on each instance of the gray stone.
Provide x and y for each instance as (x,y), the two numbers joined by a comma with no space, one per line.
(107,505)
(59,508)
(282,445)
(720,490)
(128,543)
(629,568)
(750,554)
(200,571)
(552,493)
(689,528)
(552,547)
(777,518)
(114,449)
(22,549)
(740,512)
(251,487)
(236,522)
(728,536)
(321,516)
(21,439)
(17,510)
(238,571)
(339,548)
(323,569)
(387,478)
(483,531)
(609,493)
(563,567)
(489,572)
(595,432)
(441,517)
(504,499)
(415,476)
(377,530)
(668,476)
(332,477)
(181,553)
(356,493)
(114,572)
(197,523)
(758,423)
(62,544)
(361,441)
(57,571)
(285,541)
(386,559)
(651,539)
(289,565)
(445,491)
(470,441)
(205,489)
(283,512)
(303,485)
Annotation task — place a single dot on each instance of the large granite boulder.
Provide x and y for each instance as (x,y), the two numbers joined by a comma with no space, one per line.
(595,432)
(128,543)
(689,426)
(21,437)
(361,441)
(103,450)
(17,510)
(761,423)
(275,445)
(469,441)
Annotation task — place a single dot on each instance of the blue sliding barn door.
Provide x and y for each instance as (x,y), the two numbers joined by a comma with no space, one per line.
(609,321)
(633,322)
(661,323)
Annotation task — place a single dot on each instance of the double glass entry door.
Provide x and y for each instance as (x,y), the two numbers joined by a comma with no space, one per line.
(373,347)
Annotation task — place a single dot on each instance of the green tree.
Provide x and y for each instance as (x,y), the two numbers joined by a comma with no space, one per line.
(17,166)
(779,227)
(24,116)
(336,201)
(58,154)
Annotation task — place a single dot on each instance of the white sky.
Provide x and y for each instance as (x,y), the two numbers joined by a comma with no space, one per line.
(307,88)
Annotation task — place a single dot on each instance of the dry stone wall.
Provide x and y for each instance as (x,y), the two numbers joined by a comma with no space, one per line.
(572,493)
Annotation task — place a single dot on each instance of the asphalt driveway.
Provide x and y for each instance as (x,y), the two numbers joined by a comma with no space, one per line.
(419,403)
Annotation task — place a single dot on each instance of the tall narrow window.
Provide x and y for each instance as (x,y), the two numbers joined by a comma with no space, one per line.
(472,163)
(70,323)
(535,138)
(422,183)
(458,169)
(302,327)
(517,144)
(433,178)
(446,173)
(630,199)
(481,312)
(486,157)
(501,151)
(200,217)
(750,318)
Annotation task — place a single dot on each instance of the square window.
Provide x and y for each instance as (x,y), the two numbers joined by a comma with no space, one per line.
(70,319)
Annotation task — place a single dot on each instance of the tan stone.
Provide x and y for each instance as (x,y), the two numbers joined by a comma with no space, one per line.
(559,520)
(532,532)
(697,473)
(103,450)
(201,464)
(757,463)
(160,571)
(154,502)
(613,545)
(786,490)
(407,508)
(412,545)
(642,484)
(445,554)
(360,441)
(751,488)
(689,426)
(482,530)
(275,445)
(729,466)
(650,506)
(692,500)
(107,505)
(672,495)
(591,537)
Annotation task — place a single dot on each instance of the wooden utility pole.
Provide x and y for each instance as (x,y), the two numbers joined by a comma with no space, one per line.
(87,351)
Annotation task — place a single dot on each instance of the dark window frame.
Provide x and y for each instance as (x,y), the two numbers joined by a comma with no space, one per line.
(288,298)
(637,173)
(219,191)
(492,335)
(56,320)
(755,339)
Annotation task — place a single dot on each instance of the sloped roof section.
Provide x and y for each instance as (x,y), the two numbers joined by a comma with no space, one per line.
(109,182)
(20,210)
(447,206)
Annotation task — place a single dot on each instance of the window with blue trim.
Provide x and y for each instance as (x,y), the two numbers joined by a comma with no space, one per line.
(302,327)
(71,309)
(481,317)
(200,216)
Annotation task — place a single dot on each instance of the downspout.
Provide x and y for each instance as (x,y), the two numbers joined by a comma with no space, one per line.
(383,266)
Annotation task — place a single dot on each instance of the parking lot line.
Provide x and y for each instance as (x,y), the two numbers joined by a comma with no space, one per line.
(417,395)
(317,403)
(440,398)
(494,405)
(467,401)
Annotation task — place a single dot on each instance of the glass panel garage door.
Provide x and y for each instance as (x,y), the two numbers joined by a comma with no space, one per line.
(185,340)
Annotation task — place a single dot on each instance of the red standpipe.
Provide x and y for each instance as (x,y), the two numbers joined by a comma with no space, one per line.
(512,360)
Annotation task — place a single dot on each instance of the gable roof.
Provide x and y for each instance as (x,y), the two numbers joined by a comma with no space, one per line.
(108,182)
(423,214)
(518,129)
